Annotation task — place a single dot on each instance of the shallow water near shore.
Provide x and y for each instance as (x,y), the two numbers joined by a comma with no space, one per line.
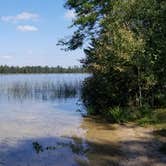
(43,109)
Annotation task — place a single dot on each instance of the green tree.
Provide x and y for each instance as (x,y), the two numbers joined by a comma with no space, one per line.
(125,52)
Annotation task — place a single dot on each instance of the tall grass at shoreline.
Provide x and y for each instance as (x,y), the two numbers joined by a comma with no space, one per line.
(46,90)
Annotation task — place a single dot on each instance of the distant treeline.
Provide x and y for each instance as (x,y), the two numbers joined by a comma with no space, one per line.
(40,69)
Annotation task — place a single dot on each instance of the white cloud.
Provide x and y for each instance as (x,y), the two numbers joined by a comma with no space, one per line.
(24,16)
(70,15)
(27,28)
(6,57)
(29,52)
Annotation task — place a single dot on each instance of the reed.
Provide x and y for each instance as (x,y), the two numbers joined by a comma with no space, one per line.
(46,90)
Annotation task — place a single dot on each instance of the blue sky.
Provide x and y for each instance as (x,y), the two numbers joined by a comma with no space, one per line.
(29,31)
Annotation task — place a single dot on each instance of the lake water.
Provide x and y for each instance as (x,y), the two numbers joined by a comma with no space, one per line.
(42,122)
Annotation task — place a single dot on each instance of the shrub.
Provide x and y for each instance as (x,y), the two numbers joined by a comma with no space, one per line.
(91,110)
(117,115)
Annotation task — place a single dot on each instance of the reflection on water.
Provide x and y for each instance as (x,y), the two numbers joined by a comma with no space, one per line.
(41,109)
(42,87)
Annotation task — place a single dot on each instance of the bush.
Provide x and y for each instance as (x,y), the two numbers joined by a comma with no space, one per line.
(146,120)
(143,116)
(150,116)
(91,110)
(103,91)
(160,115)
(117,115)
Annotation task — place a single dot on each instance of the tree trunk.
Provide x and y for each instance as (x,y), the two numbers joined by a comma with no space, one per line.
(139,87)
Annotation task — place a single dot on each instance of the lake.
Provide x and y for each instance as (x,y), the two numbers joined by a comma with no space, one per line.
(42,122)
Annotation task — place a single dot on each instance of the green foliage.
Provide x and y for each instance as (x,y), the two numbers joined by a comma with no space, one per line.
(143,116)
(146,121)
(157,116)
(160,115)
(91,110)
(125,52)
(116,115)
(40,69)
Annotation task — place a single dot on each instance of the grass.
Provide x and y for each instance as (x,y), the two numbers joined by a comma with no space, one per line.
(142,116)
(116,115)
(43,90)
(153,117)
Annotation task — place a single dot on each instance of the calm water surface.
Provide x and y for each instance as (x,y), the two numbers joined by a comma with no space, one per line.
(41,122)
(39,117)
